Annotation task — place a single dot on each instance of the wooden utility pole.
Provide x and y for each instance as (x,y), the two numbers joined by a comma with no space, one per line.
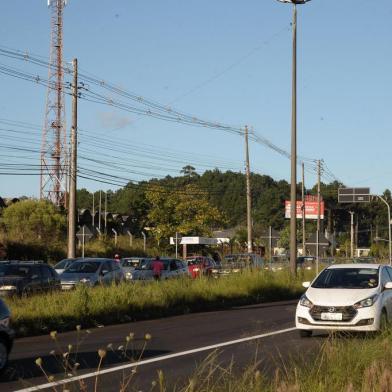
(248,192)
(106,211)
(318,214)
(93,215)
(73,161)
(100,212)
(303,212)
(352,234)
(293,176)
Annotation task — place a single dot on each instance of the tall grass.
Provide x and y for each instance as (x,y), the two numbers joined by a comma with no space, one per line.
(62,311)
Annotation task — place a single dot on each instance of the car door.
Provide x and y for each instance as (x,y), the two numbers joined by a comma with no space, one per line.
(107,272)
(36,279)
(386,294)
(173,269)
(46,278)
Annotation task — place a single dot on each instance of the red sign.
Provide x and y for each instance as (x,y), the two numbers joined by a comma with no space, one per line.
(311,208)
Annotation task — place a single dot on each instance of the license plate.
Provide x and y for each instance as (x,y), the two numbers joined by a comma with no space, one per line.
(332,316)
(67,287)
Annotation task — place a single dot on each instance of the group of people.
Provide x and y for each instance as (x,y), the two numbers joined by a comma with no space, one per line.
(157,266)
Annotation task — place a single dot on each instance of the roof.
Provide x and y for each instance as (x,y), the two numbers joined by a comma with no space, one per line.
(356,265)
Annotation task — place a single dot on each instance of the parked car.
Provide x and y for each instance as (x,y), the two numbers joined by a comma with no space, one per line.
(237,263)
(305,262)
(63,264)
(348,297)
(200,265)
(92,272)
(6,335)
(128,264)
(172,268)
(26,277)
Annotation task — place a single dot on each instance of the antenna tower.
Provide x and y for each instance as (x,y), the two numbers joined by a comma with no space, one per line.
(54,162)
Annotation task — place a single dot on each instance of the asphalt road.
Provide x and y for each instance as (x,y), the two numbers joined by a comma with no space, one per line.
(170,336)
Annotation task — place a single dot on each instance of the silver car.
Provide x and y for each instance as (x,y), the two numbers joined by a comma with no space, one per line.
(129,264)
(172,268)
(92,272)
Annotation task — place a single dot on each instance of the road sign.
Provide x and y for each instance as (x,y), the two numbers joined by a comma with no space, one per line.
(354,195)
(84,233)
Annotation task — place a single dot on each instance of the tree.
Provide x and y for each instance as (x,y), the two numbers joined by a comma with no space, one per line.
(186,211)
(189,171)
(32,220)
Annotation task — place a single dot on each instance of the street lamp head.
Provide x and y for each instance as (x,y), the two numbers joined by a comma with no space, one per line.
(294,1)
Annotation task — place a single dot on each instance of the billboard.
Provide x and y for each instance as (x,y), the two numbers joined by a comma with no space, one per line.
(311,208)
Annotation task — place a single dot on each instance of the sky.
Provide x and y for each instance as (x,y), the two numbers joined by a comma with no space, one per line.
(225,61)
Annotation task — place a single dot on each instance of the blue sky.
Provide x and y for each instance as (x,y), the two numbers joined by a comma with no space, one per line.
(227,61)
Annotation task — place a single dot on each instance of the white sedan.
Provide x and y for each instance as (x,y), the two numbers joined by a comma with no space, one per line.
(346,297)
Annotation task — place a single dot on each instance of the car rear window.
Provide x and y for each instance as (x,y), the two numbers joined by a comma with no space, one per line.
(86,267)
(15,270)
(131,263)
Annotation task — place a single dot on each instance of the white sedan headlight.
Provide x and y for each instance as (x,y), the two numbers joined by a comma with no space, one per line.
(304,301)
(85,280)
(128,275)
(365,303)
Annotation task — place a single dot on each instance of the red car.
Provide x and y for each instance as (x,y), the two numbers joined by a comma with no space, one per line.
(200,265)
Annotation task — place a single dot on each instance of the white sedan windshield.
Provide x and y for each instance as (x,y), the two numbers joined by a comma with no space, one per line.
(347,278)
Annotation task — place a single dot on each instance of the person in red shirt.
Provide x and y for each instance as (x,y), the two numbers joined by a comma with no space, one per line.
(117,258)
(157,267)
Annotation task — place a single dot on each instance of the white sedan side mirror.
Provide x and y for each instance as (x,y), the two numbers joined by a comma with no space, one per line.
(388,286)
(307,284)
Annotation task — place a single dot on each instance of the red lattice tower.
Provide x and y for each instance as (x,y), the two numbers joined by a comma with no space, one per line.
(54,152)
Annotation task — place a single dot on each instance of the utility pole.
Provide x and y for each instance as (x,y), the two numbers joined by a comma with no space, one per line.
(389,228)
(352,234)
(100,211)
(93,210)
(293,189)
(248,193)
(303,212)
(106,211)
(270,247)
(318,215)
(73,172)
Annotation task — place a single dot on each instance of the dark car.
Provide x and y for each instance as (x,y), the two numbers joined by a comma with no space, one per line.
(6,335)
(305,262)
(24,277)
(236,263)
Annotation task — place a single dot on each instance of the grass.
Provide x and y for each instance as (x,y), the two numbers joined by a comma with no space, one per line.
(63,311)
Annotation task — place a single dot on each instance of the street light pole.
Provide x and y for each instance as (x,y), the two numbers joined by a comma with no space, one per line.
(293,189)
(389,228)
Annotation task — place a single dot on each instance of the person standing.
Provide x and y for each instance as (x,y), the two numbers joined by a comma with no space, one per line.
(157,267)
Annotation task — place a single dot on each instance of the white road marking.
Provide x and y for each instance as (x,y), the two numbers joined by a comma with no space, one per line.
(152,360)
